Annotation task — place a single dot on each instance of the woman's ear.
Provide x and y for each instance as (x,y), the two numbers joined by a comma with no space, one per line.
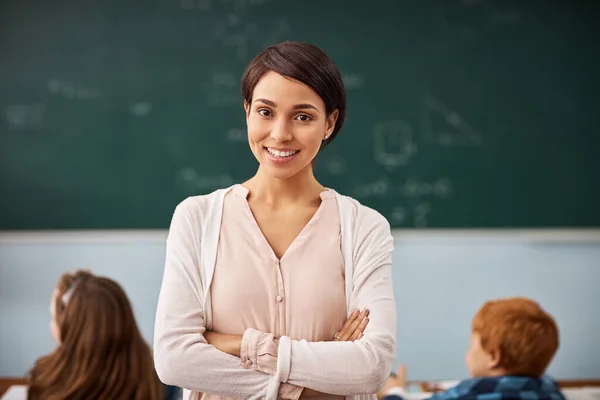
(331,120)
(247,110)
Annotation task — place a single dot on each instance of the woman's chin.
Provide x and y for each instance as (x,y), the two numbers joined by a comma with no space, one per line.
(282,172)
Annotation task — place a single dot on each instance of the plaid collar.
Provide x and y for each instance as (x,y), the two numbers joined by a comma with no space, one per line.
(506,388)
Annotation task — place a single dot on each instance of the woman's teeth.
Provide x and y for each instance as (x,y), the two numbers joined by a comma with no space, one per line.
(281,154)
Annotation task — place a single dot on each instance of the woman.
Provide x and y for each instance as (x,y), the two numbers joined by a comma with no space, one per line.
(259,277)
(101,353)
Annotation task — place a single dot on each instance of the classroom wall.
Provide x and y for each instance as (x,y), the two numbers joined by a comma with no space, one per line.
(440,281)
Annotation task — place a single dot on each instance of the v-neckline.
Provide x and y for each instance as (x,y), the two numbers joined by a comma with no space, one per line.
(244,191)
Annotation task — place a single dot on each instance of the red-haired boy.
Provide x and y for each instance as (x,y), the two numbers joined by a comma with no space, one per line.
(513,341)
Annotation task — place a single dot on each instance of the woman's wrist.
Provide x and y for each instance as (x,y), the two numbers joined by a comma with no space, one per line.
(230,344)
(234,343)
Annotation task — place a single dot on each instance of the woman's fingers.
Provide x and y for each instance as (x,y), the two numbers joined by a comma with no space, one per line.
(356,323)
(353,324)
(358,333)
(345,333)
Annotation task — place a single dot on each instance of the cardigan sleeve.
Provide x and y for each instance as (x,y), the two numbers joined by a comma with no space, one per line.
(182,355)
(344,368)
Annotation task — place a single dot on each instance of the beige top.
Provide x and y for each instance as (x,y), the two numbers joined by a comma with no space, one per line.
(183,358)
(301,296)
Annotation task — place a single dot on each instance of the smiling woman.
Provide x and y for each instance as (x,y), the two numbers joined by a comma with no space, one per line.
(279,287)
(299,93)
(282,131)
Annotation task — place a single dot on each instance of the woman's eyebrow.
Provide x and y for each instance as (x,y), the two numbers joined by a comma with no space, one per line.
(302,106)
(265,101)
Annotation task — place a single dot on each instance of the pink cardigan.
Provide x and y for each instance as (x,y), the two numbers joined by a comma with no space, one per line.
(353,369)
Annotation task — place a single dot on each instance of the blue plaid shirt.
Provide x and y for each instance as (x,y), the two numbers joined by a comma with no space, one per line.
(500,388)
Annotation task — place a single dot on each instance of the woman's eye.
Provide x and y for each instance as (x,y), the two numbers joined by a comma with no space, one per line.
(264,112)
(303,118)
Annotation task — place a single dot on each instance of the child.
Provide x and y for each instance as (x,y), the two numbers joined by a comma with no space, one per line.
(512,343)
(101,353)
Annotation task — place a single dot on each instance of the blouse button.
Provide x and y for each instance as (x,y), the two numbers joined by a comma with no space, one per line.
(279,299)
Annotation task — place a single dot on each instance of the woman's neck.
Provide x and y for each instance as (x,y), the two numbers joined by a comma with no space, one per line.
(302,188)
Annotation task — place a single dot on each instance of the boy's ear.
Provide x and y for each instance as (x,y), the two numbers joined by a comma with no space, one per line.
(495,358)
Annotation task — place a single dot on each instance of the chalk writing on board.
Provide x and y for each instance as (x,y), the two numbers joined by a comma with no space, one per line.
(353,81)
(237,135)
(379,187)
(140,109)
(421,211)
(443,126)
(191,183)
(410,188)
(25,116)
(393,143)
(72,91)
(410,215)
(222,90)
(398,216)
(414,187)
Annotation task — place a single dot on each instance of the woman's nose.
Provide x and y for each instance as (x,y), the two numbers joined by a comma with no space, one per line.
(281,132)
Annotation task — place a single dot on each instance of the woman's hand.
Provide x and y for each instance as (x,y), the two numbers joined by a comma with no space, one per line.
(353,327)
(352,330)
(230,344)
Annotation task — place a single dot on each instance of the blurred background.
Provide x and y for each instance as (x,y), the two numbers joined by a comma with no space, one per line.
(472,125)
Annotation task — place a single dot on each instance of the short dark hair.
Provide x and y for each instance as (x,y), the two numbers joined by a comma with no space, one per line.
(305,63)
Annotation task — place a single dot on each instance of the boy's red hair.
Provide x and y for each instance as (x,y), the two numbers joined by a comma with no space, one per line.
(524,334)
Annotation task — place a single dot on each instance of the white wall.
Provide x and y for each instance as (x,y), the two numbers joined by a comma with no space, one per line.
(440,279)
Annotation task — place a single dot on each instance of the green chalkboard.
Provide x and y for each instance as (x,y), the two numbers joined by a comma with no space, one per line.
(462,113)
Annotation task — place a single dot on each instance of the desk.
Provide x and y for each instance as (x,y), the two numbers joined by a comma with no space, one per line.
(5,383)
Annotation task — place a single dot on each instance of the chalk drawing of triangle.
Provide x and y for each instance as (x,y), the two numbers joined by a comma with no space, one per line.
(444,126)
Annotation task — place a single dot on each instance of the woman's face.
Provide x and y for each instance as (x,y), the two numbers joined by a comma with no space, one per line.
(53,324)
(287,123)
